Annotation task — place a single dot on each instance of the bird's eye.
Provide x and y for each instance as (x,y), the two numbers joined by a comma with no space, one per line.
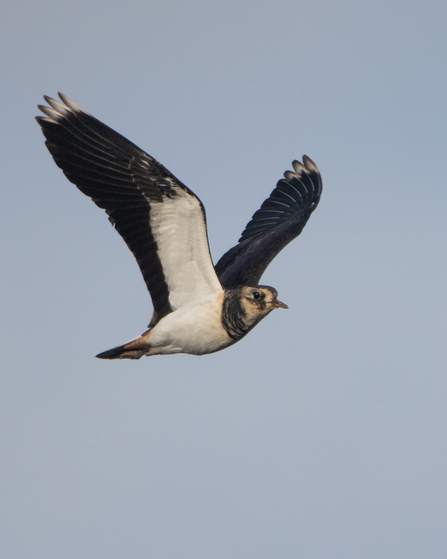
(256,295)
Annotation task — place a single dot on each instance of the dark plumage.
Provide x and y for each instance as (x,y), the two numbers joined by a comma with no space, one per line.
(280,219)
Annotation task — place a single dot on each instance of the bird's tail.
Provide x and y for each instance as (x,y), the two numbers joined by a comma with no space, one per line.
(132,350)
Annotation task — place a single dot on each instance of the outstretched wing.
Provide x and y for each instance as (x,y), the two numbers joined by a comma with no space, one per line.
(280,219)
(160,219)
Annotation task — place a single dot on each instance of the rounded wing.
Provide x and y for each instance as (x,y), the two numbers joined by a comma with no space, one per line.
(160,219)
(280,219)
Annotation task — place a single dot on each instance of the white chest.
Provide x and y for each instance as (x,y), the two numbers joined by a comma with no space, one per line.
(197,330)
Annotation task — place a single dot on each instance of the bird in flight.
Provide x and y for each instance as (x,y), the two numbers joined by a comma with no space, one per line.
(198,308)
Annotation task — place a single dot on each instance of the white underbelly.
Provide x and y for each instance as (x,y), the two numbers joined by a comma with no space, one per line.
(197,330)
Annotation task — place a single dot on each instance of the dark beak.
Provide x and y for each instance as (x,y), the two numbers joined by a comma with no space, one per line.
(280,305)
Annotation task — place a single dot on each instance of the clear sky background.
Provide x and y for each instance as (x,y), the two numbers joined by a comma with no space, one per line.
(323,434)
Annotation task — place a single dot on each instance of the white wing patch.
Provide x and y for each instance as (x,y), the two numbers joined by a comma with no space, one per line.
(179,229)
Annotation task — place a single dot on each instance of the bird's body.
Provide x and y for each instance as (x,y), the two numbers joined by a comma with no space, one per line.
(202,327)
(198,309)
(194,328)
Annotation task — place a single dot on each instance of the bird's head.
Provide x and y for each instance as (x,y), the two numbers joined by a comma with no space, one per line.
(258,301)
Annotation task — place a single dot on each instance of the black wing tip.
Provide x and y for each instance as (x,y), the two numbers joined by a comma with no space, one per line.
(309,164)
(300,189)
(70,104)
(57,110)
(306,167)
(307,173)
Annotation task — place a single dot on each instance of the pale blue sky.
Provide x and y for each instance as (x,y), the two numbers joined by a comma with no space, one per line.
(323,434)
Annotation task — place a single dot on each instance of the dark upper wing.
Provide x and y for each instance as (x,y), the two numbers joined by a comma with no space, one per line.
(280,219)
(160,219)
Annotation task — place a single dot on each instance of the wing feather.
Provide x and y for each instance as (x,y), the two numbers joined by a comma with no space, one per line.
(160,219)
(280,219)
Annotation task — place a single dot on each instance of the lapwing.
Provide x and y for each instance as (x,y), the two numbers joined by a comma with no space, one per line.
(198,308)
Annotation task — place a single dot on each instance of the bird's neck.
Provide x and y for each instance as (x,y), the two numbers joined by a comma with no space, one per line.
(234,317)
